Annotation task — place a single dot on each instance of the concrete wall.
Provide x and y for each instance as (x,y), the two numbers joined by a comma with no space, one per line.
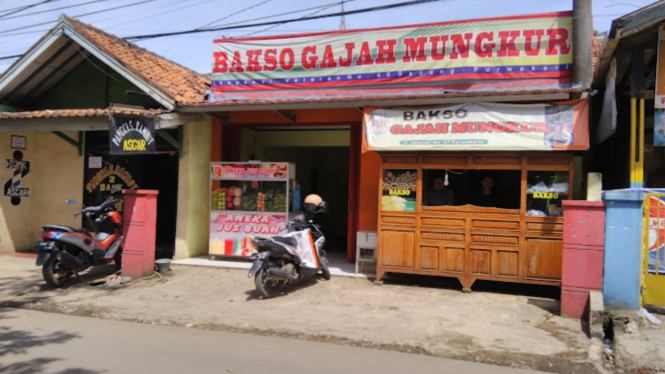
(194,191)
(56,174)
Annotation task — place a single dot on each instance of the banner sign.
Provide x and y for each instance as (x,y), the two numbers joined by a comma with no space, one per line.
(131,135)
(479,126)
(656,233)
(497,50)
(249,171)
(230,232)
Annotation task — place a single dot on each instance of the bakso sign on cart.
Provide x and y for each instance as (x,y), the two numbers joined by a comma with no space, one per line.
(479,126)
(508,53)
(131,135)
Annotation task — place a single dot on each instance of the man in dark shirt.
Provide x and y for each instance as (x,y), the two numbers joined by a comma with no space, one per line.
(487,198)
(439,194)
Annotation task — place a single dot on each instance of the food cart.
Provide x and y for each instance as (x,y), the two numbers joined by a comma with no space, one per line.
(249,199)
(475,191)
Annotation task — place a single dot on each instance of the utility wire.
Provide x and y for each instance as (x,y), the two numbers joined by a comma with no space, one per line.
(233,14)
(20,9)
(242,26)
(80,15)
(51,10)
(152,15)
(325,6)
(337,14)
(272,27)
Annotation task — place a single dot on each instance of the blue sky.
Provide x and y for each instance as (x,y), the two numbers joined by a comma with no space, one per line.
(195,51)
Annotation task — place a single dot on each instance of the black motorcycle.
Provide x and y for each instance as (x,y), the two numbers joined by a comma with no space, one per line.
(298,254)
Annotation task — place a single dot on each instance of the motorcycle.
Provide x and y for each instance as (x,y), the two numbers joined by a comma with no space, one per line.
(65,250)
(283,259)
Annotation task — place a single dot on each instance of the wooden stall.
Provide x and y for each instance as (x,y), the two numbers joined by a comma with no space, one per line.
(518,241)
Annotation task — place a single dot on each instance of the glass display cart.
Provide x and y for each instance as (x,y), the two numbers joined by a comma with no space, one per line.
(246,200)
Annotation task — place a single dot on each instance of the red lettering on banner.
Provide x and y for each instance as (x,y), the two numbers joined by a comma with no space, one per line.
(558,39)
(396,129)
(540,127)
(529,48)
(328,58)
(236,65)
(460,45)
(508,47)
(365,57)
(484,50)
(283,62)
(308,62)
(349,55)
(414,49)
(221,62)
(434,41)
(485,127)
(459,127)
(271,60)
(386,53)
(253,60)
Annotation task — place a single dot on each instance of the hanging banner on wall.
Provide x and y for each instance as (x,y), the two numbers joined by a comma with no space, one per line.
(131,135)
(659,102)
(499,51)
(19,169)
(478,126)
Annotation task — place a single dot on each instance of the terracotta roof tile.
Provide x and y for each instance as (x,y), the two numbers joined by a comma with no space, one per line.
(184,85)
(69,113)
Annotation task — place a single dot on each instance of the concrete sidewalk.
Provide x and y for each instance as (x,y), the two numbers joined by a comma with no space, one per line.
(425,318)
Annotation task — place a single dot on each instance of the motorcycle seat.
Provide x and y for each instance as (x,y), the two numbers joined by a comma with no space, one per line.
(67,229)
(286,240)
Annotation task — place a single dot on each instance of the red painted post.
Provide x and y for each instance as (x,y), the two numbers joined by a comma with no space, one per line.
(139,231)
(583,251)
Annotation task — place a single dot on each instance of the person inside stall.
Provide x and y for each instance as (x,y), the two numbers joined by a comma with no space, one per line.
(487,198)
(440,194)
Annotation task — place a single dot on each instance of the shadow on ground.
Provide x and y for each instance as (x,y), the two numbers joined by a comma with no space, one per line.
(17,342)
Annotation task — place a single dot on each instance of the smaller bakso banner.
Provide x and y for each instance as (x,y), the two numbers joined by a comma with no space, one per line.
(131,135)
(479,126)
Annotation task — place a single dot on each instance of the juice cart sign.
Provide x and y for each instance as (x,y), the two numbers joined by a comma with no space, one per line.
(478,126)
(230,232)
(498,51)
(267,171)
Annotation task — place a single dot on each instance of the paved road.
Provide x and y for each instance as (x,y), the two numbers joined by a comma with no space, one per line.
(36,342)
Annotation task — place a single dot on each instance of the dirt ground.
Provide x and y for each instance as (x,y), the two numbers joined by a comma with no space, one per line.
(408,314)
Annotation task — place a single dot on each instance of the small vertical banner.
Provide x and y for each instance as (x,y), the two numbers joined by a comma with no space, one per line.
(131,135)
(659,102)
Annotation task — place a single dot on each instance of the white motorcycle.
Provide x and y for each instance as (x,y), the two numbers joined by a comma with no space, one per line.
(298,254)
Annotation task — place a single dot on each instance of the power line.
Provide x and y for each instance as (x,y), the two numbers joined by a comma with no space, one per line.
(80,15)
(178,2)
(20,9)
(272,27)
(243,26)
(52,10)
(357,11)
(325,6)
(233,14)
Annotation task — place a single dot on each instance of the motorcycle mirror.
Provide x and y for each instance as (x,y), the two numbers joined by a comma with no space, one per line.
(71,202)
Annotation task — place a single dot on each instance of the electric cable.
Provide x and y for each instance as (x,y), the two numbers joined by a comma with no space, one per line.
(50,10)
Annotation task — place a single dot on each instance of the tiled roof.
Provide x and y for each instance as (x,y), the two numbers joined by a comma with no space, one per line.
(70,113)
(184,85)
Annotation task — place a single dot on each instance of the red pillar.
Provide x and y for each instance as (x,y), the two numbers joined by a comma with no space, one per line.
(139,233)
(583,251)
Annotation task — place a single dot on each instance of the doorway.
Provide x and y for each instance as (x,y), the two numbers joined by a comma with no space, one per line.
(322,157)
(107,175)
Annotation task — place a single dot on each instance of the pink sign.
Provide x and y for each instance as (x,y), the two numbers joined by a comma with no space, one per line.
(240,171)
(229,232)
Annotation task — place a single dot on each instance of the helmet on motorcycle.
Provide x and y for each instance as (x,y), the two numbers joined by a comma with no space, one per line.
(314,203)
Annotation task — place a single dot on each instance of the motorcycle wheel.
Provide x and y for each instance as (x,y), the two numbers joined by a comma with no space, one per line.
(54,273)
(324,267)
(267,288)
